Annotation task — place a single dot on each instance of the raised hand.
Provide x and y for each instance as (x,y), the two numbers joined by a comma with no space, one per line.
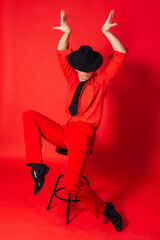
(64,25)
(107,25)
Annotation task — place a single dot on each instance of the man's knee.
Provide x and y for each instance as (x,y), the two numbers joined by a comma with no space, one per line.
(73,188)
(27,114)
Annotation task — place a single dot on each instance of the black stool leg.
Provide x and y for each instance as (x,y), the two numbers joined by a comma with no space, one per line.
(76,200)
(68,208)
(54,191)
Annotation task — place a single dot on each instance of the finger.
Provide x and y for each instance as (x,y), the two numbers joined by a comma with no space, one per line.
(112,12)
(114,24)
(61,13)
(110,16)
(56,28)
(63,16)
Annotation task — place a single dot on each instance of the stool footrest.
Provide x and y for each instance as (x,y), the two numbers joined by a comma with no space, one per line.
(64,199)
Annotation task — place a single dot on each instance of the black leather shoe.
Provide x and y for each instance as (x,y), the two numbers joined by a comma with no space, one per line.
(39,177)
(113,216)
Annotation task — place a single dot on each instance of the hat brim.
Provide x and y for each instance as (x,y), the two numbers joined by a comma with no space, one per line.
(85,68)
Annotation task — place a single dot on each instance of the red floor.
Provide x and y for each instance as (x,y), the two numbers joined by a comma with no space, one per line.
(24,216)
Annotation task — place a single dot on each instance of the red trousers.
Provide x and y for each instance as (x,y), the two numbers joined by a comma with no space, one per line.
(78,138)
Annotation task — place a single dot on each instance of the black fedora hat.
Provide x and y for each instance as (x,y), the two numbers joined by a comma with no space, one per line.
(85,59)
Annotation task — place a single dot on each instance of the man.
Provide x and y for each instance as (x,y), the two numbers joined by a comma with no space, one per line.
(83,111)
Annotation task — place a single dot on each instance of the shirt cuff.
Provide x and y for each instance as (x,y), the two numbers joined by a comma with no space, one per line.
(66,52)
(119,53)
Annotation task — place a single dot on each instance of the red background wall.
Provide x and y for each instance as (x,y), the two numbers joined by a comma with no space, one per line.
(31,77)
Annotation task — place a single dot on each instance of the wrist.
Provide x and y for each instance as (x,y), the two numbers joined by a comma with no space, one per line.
(68,32)
(106,32)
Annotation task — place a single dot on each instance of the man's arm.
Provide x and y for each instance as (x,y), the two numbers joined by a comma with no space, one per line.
(64,49)
(116,58)
(63,43)
(117,46)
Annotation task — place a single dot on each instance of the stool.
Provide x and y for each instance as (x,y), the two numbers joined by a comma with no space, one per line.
(55,190)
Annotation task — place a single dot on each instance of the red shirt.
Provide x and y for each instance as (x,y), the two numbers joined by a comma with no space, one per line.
(90,104)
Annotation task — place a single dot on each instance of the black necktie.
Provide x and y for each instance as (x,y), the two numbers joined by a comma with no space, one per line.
(74,105)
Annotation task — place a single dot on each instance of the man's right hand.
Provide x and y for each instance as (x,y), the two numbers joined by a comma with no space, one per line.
(64,25)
